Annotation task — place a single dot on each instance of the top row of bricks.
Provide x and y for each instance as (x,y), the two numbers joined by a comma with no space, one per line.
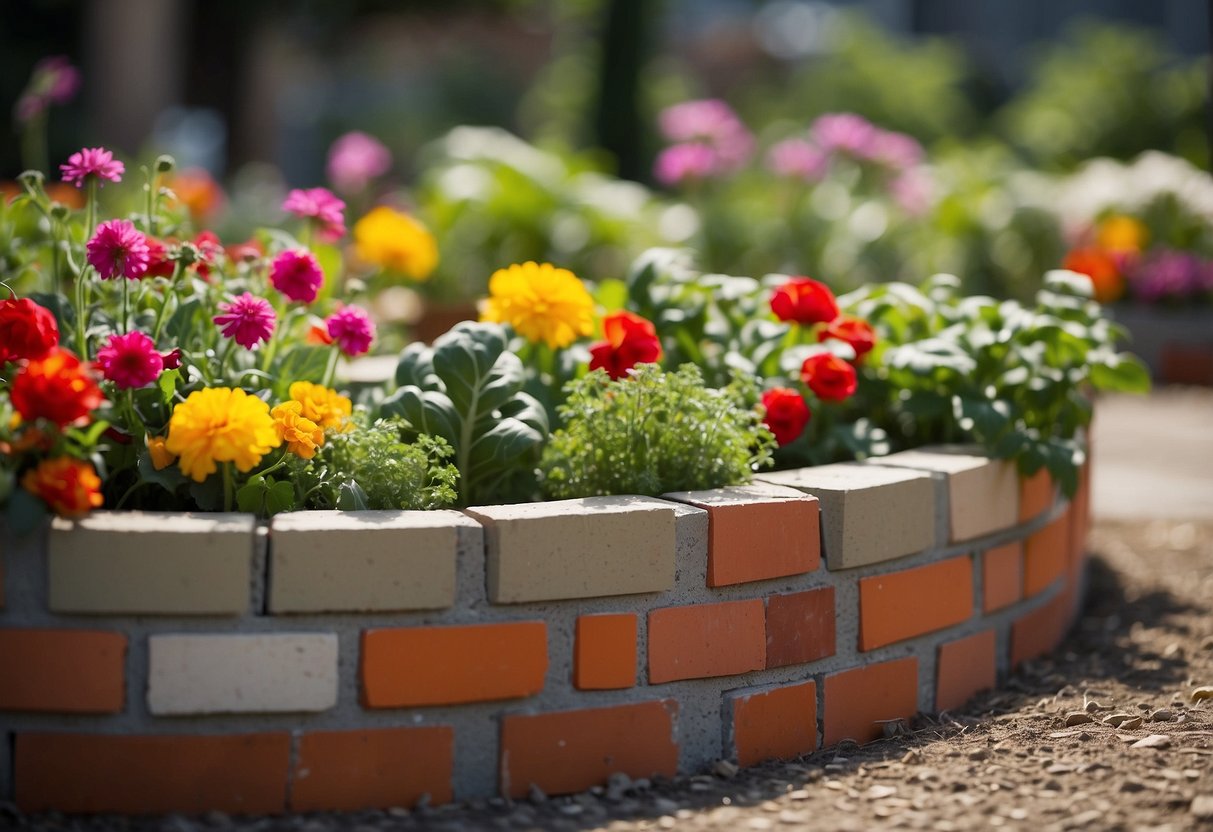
(111,563)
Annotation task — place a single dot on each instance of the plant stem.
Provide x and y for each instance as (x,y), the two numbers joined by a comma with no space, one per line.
(126,302)
(90,209)
(81,337)
(330,369)
(149,187)
(33,143)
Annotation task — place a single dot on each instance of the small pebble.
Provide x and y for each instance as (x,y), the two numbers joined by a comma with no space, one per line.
(1202,807)
(1078,718)
(1153,741)
(1117,719)
(725,769)
(1162,715)
(1130,724)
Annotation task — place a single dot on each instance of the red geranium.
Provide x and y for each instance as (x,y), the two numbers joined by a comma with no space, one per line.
(1106,279)
(827,375)
(787,413)
(27,330)
(57,387)
(857,333)
(630,340)
(805,301)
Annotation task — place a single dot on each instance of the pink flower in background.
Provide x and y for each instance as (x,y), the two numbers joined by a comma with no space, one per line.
(118,249)
(895,150)
(321,205)
(911,190)
(712,123)
(1170,275)
(352,329)
(247,320)
(681,162)
(130,360)
(355,159)
(92,161)
(53,81)
(297,275)
(797,158)
(846,132)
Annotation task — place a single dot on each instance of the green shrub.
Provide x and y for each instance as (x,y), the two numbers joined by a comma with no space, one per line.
(654,432)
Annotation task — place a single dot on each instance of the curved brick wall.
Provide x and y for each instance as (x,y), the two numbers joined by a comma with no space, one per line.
(337,661)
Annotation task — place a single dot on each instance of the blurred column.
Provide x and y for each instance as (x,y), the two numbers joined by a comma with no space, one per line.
(133,70)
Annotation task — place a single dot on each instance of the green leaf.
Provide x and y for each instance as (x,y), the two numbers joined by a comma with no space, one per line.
(250,498)
(169,477)
(300,363)
(351,497)
(1121,372)
(168,384)
(280,497)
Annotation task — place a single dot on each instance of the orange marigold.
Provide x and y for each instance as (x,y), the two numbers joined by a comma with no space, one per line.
(68,485)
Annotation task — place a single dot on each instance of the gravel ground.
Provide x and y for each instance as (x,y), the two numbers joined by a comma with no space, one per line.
(1115,731)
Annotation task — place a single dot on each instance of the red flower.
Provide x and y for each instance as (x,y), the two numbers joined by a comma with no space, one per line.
(1107,281)
(210,250)
(787,414)
(827,375)
(57,388)
(857,333)
(27,330)
(171,359)
(630,340)
(159,263)
(70,487)
(805,301)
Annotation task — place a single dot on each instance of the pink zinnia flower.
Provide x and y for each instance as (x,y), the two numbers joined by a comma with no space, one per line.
(53,81)
(92,161)
(797,158)
(352,329)
(247,320)
(847,132)
(130,360)
(690,160)
(297,275)
(320,205)
(118,249)
(355,159)
(896,150)
(710,122)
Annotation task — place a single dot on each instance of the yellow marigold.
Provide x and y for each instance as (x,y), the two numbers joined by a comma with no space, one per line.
(161,456)
(301,435)
(327,408)
(1121,235)
(69,486)
(219,424)
(397,242)
(541,302)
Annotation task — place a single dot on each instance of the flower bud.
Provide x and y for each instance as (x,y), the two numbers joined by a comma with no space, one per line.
(165,163)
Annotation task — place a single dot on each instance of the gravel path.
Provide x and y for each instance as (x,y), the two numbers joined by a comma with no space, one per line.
(1045,752)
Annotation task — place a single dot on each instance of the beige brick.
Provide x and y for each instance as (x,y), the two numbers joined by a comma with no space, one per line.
(868,514)
(983,493)
(151,563)
(365,561)
(578,548)
(213,674)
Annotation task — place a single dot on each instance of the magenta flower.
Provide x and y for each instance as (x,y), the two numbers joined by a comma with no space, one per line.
(911,190)
(130,360)
(247,320)
(320,205)
(895,150)
(355,159)
(713,123)
(118,249)
(92,161)
(797,158)
(352,329)
(297,275)
(847,132)
(53,81)
(689,160)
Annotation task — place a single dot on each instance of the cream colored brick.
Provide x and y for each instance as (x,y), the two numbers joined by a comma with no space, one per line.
(983,493)
(366,561)
(151,563)
(868,514)
(223,674)
(578,548)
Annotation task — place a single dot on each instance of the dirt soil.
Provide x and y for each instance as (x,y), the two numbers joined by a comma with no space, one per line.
(1042,753)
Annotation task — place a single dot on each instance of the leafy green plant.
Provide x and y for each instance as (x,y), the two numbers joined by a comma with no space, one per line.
(372,467)
(467,389)
(654,432)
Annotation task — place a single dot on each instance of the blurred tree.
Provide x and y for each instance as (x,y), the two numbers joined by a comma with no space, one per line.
(618,126)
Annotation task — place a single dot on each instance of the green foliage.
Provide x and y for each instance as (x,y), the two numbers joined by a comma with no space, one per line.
(1109,91)
(654,432)
(467,389)
(373,467)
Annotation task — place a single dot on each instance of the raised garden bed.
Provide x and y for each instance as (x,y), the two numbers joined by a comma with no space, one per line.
(324,660)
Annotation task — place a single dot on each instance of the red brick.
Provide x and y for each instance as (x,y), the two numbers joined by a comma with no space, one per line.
(964,667)
(571,751)
(911,602)
(604,657)
(1046,554)
(859,701)
(409,666)
(1180,363)
(1035,494)
(1002,576)
(800,627)
(778,724)
(1040,631)
(71,671)
(703,640)
(755,536)
(373,769)
(235,773)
